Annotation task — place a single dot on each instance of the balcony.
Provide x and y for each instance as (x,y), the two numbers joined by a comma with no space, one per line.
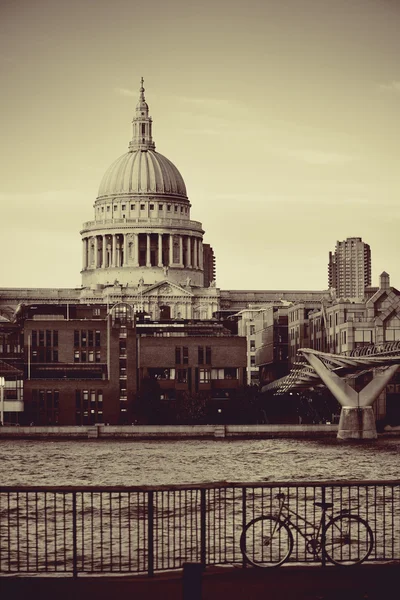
(141,222)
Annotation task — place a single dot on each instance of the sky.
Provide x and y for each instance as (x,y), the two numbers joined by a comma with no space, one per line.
(283,117)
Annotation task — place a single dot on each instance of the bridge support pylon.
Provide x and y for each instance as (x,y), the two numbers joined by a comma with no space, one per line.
(357,419)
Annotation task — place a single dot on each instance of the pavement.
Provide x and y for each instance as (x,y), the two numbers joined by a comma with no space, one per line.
(364,582)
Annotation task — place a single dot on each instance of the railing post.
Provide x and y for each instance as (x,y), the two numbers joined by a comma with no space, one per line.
(323,529)
(203,531)
(74,538)
(244,521)
(192,581)
(150,533)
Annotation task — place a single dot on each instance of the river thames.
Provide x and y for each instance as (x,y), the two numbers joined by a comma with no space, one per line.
(94,462)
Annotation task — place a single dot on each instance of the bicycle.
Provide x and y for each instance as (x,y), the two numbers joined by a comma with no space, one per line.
(345,539)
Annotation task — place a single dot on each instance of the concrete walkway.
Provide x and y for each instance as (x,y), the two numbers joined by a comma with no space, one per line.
(366,582)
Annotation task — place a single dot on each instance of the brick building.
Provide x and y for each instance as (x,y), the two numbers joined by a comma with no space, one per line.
(86,363)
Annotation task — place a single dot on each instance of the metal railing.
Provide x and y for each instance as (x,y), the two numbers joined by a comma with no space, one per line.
(144,530)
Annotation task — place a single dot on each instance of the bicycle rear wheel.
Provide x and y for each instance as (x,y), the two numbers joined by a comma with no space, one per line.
(348,540)
(266,542)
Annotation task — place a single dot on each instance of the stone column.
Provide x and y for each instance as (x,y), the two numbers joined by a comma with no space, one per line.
(84,254)
(195,257)
(114,250)
(180,251)
(171,249)
(200,254)
(189,252)
(136,249)
(104,252)
(148,257)
(160,264)
(125,250)
(96,251)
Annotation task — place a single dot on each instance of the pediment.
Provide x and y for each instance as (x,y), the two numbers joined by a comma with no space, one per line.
(167,288)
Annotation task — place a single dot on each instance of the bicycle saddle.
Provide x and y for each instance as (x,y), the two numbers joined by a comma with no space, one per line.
(324,505)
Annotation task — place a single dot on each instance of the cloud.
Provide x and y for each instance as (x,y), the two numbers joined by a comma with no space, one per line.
(125,92)
(319,157)
(392,86)
(205,131)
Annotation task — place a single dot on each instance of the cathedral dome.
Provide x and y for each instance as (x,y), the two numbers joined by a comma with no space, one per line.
(142,171)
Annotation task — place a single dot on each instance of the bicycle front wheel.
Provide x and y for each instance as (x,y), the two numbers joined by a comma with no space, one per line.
(348,540)
(266,542)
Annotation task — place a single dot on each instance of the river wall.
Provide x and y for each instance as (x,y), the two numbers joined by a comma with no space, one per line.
(145,432)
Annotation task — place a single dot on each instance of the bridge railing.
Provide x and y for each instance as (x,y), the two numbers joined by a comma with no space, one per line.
(72,530)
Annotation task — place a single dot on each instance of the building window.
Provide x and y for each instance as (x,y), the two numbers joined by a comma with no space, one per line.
(176,208)
(41,338)
(226,373)
(185,352)
(97,355)
(76,338)
(55,338)
(132,206)
(208,355)
(91,356)
(177,355)
(168,207)
(97,339)
(181,375)
(142,207)
(161,373)
(200,358)
(96,312)
(123,207)
(160,206)
(204,375)
(90,337)
(252,329)
(108,209)
(151,206)
(76,356)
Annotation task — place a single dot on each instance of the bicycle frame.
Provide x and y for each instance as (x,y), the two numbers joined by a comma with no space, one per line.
(308,537)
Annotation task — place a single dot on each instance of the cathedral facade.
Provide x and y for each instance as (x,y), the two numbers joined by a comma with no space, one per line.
(142,244)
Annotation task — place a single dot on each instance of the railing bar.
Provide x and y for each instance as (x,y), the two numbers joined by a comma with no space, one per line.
(150,522)
(393,497)
(244,518)
(64,532)
(101,532)
(83,531)
(91,531)
(45,530)
(384,522)
(186,515)
(120,532)
(55,531)
(129,534)
(18,535)
(27,532)
(9,531)
(74,537)
(111,532)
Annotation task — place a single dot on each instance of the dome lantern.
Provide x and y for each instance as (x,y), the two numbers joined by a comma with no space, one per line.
(142,125)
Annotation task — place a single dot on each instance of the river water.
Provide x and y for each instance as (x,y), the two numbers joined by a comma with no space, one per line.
(98,462)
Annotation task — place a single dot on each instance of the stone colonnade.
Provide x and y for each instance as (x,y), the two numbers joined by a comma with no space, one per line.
(142,249)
